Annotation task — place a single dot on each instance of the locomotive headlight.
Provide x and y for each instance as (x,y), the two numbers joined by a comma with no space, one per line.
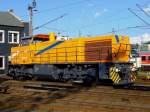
(117,70)
(133,69)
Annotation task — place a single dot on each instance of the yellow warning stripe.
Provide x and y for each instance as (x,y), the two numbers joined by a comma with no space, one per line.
(114,76)
(133,76)
(117,79)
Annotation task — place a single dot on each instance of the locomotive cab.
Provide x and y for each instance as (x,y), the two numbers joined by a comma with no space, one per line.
(38,38)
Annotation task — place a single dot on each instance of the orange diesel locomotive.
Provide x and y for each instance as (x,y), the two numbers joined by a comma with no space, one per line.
(84,59)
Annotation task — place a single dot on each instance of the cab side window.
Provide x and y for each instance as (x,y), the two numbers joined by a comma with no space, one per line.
(143,58)
(149,58)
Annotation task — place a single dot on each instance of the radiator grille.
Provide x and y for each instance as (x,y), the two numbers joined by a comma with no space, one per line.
(98,50)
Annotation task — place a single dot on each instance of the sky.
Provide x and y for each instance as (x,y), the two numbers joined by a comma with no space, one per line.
(86,17)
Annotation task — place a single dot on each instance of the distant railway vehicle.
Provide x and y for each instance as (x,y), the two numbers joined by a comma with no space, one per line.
(81,59)
(145,57)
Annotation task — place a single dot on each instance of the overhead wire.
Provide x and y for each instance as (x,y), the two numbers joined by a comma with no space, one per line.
(109,19)
(50,21)
(75,3)
(63,6)
(60,7)
(106,22)
(141,9)
(56,29)
(124,29)
(87,26)
(139,17)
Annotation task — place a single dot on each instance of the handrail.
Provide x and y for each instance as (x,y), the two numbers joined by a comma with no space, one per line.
(75,53)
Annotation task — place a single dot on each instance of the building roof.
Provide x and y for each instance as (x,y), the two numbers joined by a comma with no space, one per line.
(10,19)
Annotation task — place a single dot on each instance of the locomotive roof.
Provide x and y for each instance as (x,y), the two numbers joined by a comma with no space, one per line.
(38,37)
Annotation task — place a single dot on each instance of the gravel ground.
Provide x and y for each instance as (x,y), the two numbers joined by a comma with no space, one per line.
(78,99)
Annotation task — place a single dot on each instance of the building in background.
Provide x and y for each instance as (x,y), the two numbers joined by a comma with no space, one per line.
(11,29)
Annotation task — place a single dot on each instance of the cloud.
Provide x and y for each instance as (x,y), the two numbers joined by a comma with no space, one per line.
(147,9)
(145,37)
(105,10)
(99,13)
(141,38)
(135,40)
(90,4)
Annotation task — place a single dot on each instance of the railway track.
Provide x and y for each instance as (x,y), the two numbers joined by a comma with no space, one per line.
(141,87)
(102,97)
(3,87)
(3,79)
(93,93)
(55,86)
(70,88)
(67,97)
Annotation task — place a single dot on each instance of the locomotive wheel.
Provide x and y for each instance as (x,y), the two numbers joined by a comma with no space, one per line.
(10,72)
(18,74)
(13,76)
(20,78)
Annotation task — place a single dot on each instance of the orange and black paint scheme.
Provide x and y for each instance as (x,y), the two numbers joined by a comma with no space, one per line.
(83,59)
